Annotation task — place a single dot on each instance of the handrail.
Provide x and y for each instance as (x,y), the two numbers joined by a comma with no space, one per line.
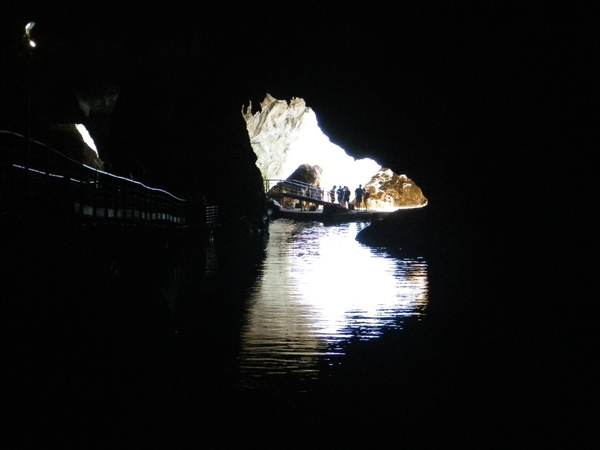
(294,187)
(94,195)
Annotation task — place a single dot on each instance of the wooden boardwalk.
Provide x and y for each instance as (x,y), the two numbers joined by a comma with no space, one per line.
(306,192)
(36,180)
(316,201)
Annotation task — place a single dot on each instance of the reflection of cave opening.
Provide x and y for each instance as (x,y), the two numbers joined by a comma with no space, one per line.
(308,301)
(286,136)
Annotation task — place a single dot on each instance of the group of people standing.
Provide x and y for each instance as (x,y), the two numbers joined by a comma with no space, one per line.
(341,194)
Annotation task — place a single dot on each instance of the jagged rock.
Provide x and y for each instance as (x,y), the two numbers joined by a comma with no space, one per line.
(387,188)
(304,173)
(307,174)
(274,129)
(406,229)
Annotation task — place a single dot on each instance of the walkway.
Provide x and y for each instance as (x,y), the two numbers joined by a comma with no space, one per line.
(299,190)
(36,180)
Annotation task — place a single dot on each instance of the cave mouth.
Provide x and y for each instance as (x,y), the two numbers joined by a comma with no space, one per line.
(289,144)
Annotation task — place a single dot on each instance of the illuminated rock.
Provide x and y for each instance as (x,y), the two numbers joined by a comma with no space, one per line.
(388,189)
(274,130)
(307,174)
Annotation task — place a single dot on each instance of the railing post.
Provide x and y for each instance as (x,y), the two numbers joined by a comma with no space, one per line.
(81,192)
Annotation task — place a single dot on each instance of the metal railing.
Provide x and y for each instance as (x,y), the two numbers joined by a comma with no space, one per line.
(36,176)
(294,187)
(213,216)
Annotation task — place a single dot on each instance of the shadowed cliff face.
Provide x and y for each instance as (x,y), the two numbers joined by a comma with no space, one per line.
(172,129)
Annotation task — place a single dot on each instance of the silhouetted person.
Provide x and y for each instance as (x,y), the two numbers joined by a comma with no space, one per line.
(366,199)
(340,195)
(358,195)
(346,196)
(332,194)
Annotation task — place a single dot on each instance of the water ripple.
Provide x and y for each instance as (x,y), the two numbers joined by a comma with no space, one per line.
(317,288)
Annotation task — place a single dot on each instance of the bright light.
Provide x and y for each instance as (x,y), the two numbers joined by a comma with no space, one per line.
(86,137)
(314,148)
(28,28)
(285,136)
(317,288)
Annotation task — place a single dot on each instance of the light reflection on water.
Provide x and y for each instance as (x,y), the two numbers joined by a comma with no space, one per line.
(317,288)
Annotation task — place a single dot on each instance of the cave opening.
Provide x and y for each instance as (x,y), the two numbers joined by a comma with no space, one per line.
(290,145)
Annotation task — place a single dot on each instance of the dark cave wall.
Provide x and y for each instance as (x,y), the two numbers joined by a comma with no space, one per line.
(171,128)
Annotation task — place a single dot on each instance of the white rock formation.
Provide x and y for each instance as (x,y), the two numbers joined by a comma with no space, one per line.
(284,136)
(274,130)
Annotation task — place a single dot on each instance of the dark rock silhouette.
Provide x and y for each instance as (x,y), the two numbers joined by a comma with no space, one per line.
(307,174)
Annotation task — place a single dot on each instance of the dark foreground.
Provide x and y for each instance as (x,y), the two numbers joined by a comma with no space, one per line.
(132,348)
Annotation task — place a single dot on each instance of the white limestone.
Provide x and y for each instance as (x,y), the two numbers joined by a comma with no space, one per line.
(285,136)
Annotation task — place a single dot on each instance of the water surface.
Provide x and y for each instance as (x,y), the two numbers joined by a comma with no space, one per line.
(316,289)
